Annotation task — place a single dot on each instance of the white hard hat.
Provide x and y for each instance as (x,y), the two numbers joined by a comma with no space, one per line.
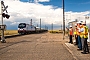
(70,26)
(79,22)
(83,23)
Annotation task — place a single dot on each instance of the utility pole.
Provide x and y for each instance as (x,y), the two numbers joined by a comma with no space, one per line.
(31,22)
(40,24)
(63,19)
(52,27)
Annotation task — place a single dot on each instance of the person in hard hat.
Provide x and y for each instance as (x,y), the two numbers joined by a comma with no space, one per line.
(78,36)
(84,37)
(75,33)
(70,35)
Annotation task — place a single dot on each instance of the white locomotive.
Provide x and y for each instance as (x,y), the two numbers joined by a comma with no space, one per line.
(24,28)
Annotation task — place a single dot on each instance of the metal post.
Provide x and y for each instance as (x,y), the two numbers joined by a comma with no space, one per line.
(2,30)
(63,20)
(31,22)
(61,26)
(52,27)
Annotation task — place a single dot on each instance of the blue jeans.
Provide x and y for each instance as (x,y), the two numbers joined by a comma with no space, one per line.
(79,42)
(84,45)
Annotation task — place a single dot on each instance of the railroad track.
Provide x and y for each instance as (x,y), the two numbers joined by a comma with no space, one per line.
(10,36)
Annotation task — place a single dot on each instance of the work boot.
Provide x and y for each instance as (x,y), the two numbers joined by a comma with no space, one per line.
(83,52)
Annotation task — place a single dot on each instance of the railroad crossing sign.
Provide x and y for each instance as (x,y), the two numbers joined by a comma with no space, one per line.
(2,27)
(3,15)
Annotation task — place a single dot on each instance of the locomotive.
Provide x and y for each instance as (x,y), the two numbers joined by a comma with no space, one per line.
(24,28)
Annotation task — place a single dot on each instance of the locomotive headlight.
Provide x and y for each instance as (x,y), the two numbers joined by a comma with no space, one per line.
(21,29)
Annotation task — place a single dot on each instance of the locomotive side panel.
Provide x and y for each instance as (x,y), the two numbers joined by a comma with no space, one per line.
(31,29)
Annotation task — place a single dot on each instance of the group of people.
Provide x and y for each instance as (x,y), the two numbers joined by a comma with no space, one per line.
(81,36)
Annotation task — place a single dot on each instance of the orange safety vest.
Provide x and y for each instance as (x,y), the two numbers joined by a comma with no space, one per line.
(71,31)
(78,33)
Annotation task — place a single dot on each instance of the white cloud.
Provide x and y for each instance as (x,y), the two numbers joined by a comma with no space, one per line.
(9,0)
(70,16)
(36,1)
(43,0)
(24,12)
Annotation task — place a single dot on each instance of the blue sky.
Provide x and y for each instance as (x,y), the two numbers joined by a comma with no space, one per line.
(50,11)
(70,5)
(77,5)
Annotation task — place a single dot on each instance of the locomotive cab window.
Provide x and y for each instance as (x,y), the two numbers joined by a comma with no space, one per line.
(22,25)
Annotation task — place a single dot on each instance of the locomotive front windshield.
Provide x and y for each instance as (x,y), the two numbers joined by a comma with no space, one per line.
(22,25)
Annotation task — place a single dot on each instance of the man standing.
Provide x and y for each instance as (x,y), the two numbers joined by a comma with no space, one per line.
(84,37)
(75,34)
(78,36)
(70,35)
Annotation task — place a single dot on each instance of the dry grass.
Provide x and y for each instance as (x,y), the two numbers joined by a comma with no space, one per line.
(55,31)
(10,32)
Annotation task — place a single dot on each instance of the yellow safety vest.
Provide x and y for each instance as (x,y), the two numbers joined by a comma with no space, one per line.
(75,32)
(85,32)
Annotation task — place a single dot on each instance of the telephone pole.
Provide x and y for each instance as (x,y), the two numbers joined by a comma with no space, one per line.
(63,19)
(31,22)
(52,27)
(40,24)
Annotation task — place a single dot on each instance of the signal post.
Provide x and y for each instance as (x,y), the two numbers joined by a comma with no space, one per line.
(2,26)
